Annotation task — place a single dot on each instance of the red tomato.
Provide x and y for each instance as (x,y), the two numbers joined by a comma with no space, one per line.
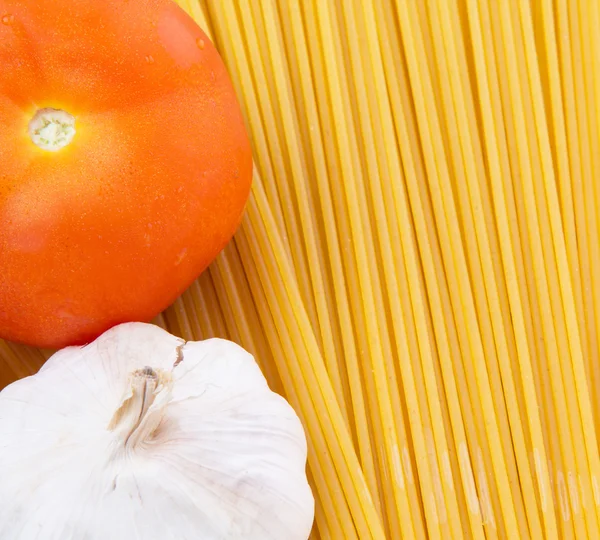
(115,225)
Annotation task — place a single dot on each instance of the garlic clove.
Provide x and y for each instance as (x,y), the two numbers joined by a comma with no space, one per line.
(141,435)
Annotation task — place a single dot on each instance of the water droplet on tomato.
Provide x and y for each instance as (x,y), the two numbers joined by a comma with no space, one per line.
(213,76)
(200,43)
(8,19)
(150,59)
(182,255)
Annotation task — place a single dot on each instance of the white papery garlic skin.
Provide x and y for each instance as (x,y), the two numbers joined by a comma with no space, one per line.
(141,436)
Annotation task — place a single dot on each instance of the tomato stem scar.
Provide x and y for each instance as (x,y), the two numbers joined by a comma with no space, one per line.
(52,129)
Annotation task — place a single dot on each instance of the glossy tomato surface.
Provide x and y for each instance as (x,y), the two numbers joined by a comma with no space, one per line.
(114,226)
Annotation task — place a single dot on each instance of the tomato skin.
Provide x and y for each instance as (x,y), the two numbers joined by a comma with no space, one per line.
(117,225)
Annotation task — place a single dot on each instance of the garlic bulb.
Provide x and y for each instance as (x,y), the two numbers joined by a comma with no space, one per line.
(140,435)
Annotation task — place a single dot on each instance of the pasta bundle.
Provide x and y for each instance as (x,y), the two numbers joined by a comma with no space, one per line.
(416,268)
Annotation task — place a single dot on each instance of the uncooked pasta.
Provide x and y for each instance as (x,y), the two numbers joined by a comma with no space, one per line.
(416,268)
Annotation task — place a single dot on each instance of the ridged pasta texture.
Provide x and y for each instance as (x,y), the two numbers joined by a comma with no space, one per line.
(418,267)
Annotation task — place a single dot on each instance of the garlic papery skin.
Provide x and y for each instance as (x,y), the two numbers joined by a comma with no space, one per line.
(140,435)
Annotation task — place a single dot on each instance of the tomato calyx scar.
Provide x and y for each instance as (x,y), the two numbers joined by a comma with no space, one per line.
(52,129)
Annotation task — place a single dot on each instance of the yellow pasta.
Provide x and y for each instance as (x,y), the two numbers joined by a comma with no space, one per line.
(417,269)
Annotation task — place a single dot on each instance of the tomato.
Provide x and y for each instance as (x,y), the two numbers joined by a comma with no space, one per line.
(116,224)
